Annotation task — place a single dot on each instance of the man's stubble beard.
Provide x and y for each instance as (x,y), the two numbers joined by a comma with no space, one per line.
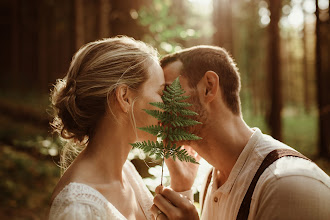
(198,129)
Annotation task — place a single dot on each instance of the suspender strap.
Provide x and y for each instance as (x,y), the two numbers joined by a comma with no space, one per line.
(244,210)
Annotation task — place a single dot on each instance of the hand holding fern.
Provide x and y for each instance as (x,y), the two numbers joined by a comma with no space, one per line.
(171,205)
(182,173)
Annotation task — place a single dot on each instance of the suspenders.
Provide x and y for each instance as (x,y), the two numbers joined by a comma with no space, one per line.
(269,159)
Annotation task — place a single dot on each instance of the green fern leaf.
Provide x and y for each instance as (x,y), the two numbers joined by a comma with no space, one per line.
(150,147)
(152,129)
(183,122)
(173,117)
(156,114)
(187,112)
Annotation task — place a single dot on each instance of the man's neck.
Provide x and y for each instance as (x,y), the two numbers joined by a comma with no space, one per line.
(226,139)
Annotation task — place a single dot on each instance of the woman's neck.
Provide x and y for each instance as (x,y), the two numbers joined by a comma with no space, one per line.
(108,150)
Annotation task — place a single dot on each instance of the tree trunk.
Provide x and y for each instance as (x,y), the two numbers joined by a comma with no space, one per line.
(42,46)
(222,19)
(15,43)
(275,87)
(104,18)
(79,23)
(121,21)
(305,72)
(323,79)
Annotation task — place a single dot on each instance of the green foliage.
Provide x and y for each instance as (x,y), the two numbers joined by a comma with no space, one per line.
(299,130)
(165,29)
(26,186)
(173,119)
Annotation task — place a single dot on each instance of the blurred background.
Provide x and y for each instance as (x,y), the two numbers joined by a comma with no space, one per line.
(281,48)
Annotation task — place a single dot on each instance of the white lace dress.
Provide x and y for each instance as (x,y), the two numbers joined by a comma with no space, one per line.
(80,201)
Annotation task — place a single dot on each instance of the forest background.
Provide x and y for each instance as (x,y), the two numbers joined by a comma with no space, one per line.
(281,48)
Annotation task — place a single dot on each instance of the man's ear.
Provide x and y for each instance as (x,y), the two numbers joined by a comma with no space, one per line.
(124,97)
(210,85)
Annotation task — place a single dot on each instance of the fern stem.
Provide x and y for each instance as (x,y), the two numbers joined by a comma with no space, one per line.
(161,178)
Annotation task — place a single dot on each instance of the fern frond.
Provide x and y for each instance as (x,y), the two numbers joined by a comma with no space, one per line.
(177,134)
(173,118)
(174,91)
(187,112)
(183,155)
(175,87)
(184,122)
(158,105)
(180,105)
(161,116)
(180,98)
(150,147)
(167,99)
(152,129)
(180,153)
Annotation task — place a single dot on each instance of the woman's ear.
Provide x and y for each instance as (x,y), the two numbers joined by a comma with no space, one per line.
(210,85)
(124,97)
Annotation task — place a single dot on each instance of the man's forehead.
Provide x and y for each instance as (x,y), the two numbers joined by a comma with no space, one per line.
(172,71)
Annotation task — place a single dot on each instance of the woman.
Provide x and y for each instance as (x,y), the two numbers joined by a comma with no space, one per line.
(98,106)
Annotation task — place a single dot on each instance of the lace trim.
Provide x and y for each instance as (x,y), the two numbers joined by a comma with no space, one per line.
(84,195)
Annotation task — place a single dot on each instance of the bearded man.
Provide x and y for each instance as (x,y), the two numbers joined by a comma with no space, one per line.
(254,176)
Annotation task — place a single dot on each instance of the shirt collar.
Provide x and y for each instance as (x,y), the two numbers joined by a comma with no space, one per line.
(228,185)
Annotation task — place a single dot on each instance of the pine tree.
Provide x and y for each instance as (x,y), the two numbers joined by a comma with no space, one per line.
(173,117)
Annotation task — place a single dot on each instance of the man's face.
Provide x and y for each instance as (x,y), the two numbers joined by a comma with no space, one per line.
(171,72)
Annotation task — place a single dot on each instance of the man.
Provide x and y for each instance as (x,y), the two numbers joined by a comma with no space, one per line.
(289,188)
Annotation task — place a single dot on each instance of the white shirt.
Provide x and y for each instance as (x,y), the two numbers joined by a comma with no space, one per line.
(290,188)
(79,201)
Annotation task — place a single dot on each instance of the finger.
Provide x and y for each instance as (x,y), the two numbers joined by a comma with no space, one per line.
(196,156)
(161,216)
(155,212)
(159,189)
(176,198)
(164,205)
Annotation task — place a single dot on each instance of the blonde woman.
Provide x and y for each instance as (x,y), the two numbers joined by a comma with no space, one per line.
(98,106)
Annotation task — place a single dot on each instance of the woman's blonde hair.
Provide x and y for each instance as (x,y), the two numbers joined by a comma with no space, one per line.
(81,98)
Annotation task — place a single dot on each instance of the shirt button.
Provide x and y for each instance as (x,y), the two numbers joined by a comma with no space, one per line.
(215,199)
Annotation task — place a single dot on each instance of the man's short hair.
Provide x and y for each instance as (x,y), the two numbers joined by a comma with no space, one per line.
(200,59)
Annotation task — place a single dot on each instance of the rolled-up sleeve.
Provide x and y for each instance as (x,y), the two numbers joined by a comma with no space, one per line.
(188,194)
